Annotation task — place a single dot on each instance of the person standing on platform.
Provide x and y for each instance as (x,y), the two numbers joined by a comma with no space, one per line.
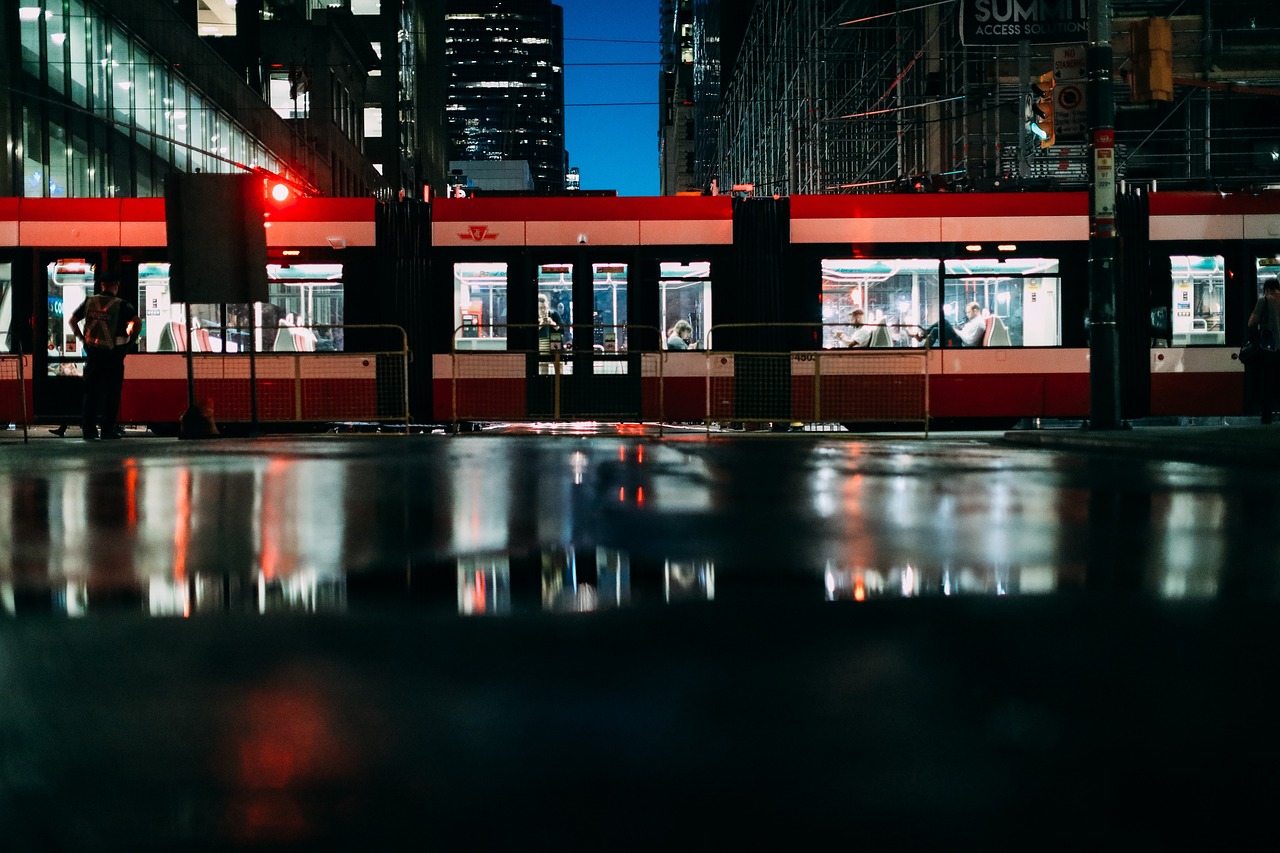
(111,325)
(1265,373)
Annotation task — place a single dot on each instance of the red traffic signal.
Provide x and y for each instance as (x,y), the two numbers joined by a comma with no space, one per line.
(280,192)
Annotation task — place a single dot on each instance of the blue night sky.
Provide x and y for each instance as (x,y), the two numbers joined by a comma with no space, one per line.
(614,146)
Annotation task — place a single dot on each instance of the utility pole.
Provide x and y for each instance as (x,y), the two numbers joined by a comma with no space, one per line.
(1104,335)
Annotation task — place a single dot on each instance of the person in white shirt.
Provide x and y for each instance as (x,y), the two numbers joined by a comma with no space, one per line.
(974,327)
(860,333)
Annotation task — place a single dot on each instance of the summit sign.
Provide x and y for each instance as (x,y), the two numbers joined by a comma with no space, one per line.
(1007,22)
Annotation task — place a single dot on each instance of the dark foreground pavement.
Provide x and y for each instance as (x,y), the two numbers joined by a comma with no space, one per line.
(1246,444)
(1040,724)
(1097,716)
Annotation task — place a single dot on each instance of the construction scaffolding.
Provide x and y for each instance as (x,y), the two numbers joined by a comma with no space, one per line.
(847,96)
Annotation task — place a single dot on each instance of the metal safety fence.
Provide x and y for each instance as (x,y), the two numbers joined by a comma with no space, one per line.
(883,379)
(771,373)
(364,378)
(15,389)
(539,372)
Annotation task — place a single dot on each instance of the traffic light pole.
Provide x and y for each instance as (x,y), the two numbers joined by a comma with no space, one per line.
(1104,335)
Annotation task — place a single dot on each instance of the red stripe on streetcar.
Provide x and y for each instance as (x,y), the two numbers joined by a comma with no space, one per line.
(583,209)
(938,204)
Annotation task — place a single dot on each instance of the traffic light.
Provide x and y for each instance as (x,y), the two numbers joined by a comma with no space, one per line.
(1151,75)
(1040,122)
(280,192)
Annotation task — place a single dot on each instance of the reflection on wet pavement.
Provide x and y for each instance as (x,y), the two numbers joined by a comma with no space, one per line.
(500,525)
(913,644)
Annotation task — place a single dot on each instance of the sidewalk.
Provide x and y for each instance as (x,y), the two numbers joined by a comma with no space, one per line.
(1244,443)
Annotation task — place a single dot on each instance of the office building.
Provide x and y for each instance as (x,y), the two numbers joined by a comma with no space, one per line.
(505,85)
(675,99)
(404,134)
(105,99)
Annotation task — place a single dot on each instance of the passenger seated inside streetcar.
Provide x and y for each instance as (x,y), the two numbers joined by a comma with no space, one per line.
(974,328)
(859,332)
(680,336)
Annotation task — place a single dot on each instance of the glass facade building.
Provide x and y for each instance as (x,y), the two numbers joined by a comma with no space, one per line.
(505,85)
(94,111)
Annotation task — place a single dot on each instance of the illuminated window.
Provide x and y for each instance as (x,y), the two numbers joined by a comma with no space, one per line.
(684,291)
(6,305)
(480,306)
(1199,290)
(609,294)
(897,298)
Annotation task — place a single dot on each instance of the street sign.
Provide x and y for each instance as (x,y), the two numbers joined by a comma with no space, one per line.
(1069,111)
(1071,121)
(1104,182)
(1069,64)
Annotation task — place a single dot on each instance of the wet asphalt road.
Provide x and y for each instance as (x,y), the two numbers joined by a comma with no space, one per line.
(623,641)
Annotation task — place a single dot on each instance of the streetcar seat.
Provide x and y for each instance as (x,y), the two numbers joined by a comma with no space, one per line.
(173,338)
(293,339)
(997,334)
(880,337)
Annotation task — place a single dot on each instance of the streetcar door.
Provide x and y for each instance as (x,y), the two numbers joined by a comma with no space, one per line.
(66,280)
(584,367)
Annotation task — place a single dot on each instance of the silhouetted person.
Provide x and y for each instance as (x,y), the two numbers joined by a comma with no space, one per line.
(110,326)
(1265,372)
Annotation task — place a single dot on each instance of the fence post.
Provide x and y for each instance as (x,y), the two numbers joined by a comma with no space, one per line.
(22,392)
(555,406)
(453,370)
(405,357)
(817,387)
(926,387)
(662,386)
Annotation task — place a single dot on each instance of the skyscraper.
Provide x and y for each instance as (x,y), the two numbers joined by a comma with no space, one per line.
(676,130)
(505,86)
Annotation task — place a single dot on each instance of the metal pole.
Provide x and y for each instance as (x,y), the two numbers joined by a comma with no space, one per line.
(22,391)
(1104,338)
(191,370)
(255,316)
(1024,78)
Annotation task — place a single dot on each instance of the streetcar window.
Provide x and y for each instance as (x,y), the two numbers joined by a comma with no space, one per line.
(897,298)
(1018,302)
(554,308)
(1268,267)
(6,306)
(70,283)
(685,294)
(480,306)
(304,313)
(609,295)
(1199,290)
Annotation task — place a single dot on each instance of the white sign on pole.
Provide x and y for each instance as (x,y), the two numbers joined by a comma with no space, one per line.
(1069,63)
(1069,119)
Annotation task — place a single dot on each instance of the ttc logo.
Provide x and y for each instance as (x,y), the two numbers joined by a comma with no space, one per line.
(477,233)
